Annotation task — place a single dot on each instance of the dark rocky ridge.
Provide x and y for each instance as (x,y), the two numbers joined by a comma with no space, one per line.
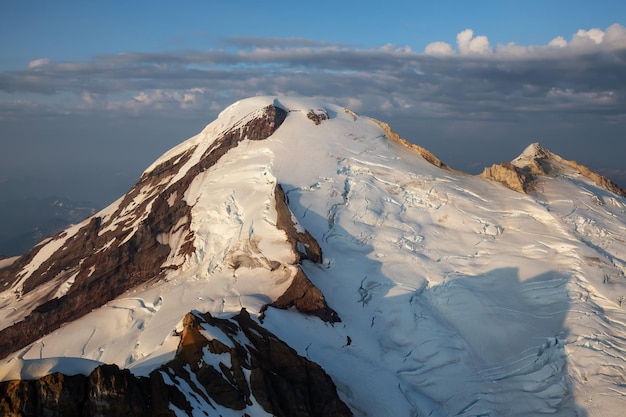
(302,293)
(257,366)
(105,271)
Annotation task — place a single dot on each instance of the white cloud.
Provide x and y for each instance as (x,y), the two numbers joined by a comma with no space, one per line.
(508,80)
(468,44)
(159,99)
(558,42)
(513,50)
(587,37)
(38,63)
(393,48)
(439,48)
(615,37)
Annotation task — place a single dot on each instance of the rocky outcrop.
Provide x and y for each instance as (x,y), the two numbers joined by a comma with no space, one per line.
(535,161)
(52,395)
(306,298)
(509,175)
(253,365)
(107,391)
(302,293)
(110,255)
(426,154)
(317,115)
(600,180)
(303,244)
(248,366)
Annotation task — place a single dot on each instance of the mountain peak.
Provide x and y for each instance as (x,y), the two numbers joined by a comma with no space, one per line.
(292,236)
(536,162)
(532,152)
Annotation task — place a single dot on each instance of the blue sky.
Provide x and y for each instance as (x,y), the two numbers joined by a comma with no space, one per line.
(92,92)
(72,30)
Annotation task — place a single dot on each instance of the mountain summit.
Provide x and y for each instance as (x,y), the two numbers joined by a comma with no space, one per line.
(298,259)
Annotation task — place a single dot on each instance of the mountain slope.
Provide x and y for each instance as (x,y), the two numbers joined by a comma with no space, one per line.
(418,289)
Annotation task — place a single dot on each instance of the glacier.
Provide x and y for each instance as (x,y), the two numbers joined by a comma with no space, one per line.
(456,295)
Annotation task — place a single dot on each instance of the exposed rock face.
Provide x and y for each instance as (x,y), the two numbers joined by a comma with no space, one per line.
(544,162)
(302,293)
(509,175)
(306,298)
(426,154)
(600,180)
(257,366)
(521,174)
(317,115)
(47,396)
(111,255)
(250,366)
(303,244)
(108,391)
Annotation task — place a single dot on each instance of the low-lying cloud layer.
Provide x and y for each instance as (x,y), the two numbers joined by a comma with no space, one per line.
(473,79)
(471,103)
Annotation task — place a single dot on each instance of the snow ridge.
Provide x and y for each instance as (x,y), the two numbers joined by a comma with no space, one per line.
(457,296)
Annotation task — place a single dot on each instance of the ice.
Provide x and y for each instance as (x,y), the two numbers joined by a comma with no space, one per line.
(457,295)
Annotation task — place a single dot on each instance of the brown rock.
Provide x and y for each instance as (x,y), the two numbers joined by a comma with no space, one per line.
(281,381)
(509,175)
(426,154)
(306,298)
(312,250)
(317,115)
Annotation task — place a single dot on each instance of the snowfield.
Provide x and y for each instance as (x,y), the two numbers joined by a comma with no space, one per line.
(457,296)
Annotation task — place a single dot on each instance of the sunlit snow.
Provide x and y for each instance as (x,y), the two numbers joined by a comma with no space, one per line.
(457,296)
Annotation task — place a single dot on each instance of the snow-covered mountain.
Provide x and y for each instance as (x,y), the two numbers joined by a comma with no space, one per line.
(295,258)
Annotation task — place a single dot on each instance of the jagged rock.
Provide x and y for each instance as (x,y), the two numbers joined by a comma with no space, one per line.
(229,391)
(284,383)
(18,398)
(302,293)
(112,391)
(303,244)
(426,154)
(317,115)
(108,391)
(306,298)
(600,180)
(60,395)
(509,175)
(521,174)
(257,366)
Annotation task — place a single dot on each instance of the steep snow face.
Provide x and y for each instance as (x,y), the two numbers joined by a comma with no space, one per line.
(457,296)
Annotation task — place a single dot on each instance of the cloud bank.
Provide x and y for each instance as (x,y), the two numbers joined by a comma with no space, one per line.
(66,126)
(472,79)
